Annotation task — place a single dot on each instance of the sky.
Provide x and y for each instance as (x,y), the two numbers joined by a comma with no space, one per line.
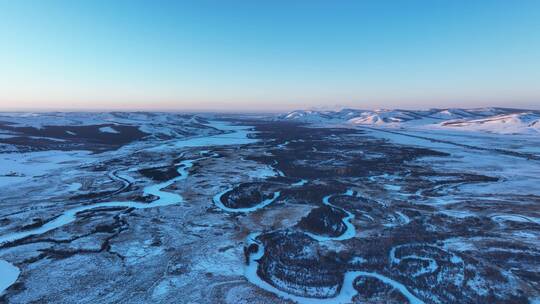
(268,56)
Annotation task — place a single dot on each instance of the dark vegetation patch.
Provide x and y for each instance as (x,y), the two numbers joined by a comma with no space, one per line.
(331,152)
(432,183)
(247,195)
(71,137)
(312,193)
(160,174)
(373,290)
(325,221)
(359,205)
(295,263)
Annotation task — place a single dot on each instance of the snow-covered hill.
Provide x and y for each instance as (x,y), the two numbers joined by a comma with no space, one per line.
(94,131)
(382,117)
(524,122)
(495,120)
(166,125)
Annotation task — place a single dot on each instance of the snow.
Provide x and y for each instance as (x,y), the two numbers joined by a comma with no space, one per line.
(516,175)
(264,172)
(459,244)
(235,135)
(392,187)
(52,158)
(351,230)
(157,124)
(405,219)
(478,284)
(260,205)
(494,120)
(307,116)
(70,215)
(518,123)
(108,130)
(283,145)
(162,288)
(381,117)
(299,183)
(358,260)
(515,218)
(229,264)
(21,167)
(39,120)
(72,187)
(345,295)
(9,274)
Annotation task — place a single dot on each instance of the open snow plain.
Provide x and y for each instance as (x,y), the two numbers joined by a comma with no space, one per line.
(169,208)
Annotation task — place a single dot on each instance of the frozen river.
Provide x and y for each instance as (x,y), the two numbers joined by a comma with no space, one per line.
(234,135)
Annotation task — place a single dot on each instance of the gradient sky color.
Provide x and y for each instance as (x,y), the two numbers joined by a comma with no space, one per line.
(268,55)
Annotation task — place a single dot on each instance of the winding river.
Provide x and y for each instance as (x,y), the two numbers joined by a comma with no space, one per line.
(259,205)
(347,291)
(345,295)
(347,234)
(233,135)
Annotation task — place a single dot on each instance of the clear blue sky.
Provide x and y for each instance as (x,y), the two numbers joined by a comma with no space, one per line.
(268,55)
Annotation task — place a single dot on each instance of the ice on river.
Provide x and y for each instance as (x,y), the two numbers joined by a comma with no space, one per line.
(235,135)
(8,275)
(345,295)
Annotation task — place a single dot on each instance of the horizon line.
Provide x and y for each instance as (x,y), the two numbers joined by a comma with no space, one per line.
(223,111)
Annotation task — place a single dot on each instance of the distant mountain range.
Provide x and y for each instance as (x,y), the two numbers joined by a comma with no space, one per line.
(495,120)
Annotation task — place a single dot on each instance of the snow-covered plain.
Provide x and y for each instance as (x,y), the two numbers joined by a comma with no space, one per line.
(353,207)
(22,167)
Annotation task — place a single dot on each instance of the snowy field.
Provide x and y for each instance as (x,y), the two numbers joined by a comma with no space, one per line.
(433,206)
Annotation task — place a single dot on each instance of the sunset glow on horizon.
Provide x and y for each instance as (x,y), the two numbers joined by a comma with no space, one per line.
(252,56)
